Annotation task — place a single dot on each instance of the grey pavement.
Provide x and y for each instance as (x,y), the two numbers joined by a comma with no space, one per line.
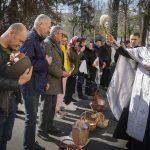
(100,139)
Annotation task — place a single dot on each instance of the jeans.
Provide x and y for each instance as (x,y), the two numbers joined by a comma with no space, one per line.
(47,112)
(31,101)
(7,123)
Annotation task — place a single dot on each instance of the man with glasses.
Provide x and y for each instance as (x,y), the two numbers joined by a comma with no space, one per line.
(56,72)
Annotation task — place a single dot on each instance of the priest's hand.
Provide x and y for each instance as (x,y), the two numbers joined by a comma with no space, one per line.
(147,67)
(110,38)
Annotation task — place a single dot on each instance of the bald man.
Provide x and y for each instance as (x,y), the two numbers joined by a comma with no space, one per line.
(14,36)
(12,39)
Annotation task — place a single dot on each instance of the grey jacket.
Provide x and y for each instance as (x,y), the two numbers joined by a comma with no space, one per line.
(55,69)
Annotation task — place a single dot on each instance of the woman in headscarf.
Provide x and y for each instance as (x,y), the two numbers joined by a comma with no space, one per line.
(74,57)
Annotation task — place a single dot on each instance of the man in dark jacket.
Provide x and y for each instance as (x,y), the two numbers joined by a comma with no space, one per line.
(55,73)
(90,57)
(81,75)
(98,44)
(10,40)
(34,48)
(105,57)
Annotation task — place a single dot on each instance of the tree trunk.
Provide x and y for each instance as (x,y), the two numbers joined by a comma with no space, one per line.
(146,24)
(73,30)
(114,17)
(144,32)
(125,25)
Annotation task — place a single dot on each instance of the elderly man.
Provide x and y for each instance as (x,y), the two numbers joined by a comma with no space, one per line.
(12,39)
(56,73)
(34,48)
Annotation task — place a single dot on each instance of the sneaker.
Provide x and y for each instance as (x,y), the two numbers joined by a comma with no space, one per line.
(38,147)
(70,107)
(63,105)
(72,104)
(61,114)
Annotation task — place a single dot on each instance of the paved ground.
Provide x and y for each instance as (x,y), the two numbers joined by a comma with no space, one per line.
(100,139)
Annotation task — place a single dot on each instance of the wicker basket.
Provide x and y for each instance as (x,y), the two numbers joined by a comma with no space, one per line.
(79,134)
(67,144)
(97,95)
(98,102)
(91,119)
(102,122)
(97,107)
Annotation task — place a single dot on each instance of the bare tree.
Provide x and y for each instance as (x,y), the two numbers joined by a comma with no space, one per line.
(114,17)
(125,7)
(99,8)
(74,19)
(146,19)
(25,11)
(3,15)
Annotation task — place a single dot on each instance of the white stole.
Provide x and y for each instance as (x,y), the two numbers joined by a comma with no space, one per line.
(140,98)
(127,86)
(120,88)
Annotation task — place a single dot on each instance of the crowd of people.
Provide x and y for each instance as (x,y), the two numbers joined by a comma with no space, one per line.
(55,74)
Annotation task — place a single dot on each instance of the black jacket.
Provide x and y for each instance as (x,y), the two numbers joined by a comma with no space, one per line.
(123,52)
(6,85)
(90,56)
(105,54)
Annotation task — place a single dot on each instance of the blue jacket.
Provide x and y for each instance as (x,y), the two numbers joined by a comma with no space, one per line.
(34,48)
